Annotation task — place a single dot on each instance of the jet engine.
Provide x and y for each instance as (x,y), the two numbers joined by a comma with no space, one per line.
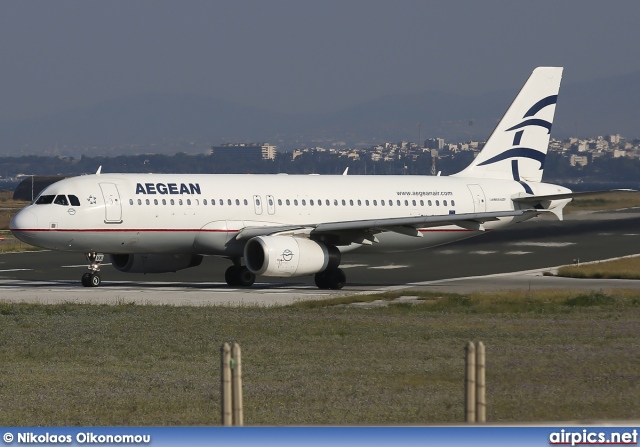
(154,263)
(288,256)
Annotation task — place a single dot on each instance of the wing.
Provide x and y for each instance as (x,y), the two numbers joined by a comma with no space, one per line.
(364,231)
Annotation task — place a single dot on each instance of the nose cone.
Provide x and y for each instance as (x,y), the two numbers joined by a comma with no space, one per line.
(22,223)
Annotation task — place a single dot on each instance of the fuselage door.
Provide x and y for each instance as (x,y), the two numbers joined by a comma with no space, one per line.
(271,205)
(257,204)
(479,201)
(112,203)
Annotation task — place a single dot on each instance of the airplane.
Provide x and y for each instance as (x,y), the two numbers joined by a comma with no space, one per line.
(282,225)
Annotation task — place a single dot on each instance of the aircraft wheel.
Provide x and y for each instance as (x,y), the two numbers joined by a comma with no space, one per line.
(321,280)
(86,280)
(336,278)
(232,276)
(245,277)
(95,280)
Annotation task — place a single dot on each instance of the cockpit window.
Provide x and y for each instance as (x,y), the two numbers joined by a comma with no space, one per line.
(61,200)
(74,200)
(45,200)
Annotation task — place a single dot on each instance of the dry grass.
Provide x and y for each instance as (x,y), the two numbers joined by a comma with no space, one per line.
(551,356)
(626,268)
(603,202)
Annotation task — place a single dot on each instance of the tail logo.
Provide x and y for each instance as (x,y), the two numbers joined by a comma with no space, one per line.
(525,152)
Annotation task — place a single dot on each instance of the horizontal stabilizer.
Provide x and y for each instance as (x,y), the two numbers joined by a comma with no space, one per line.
(568,195)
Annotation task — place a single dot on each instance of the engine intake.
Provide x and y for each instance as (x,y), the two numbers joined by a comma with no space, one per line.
(154,263)
(286,256)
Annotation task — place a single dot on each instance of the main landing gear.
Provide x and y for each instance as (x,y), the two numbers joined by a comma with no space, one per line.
(331,278)
(239,275)
(92,279)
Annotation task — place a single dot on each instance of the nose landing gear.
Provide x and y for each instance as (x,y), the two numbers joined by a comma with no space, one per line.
(92,279)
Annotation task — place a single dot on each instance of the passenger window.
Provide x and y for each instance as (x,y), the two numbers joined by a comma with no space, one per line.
(287,202)
(238,202)
(270,202)
(382,202)
(130,201)
(229,202)
(453,203)
(375,203)
(204,201)
(327,202)
(279,202)
(173,202)
(295,202)
(344,202)
(422,203)
(413,202)
(398,202)
(303,202)
(76,202)
(179,201)
(147,201)
(319,202)
(257,202)
(444,202)
(406,203)
(164,201)
(366,202)
(351,202)
(335,202)
(61,200)
(359,202)
(155,201)
(311,202)
(429,202)
(437,203)
(390,202)
(188,201)
(139,201)
(221,202)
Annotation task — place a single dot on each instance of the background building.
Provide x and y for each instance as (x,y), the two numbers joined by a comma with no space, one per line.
(245,151)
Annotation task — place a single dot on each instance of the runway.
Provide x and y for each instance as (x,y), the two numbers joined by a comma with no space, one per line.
(484,263)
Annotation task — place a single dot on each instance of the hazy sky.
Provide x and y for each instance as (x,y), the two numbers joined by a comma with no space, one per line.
(298,55)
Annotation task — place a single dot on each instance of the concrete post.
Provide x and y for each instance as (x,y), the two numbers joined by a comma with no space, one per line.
(236,386)
(481,404)
(225,384)
(470,383)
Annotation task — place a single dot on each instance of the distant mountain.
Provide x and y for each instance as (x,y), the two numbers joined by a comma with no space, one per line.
(158,121)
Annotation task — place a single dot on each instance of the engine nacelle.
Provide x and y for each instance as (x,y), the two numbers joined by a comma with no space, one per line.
(288,256)
(154,263)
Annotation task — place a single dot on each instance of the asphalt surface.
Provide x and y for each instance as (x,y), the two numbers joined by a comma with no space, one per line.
(528,248)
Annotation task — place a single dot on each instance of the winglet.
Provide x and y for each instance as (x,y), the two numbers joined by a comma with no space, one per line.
(99,170)
(345,171)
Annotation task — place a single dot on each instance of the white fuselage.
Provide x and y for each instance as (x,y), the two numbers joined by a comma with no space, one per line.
(202,214)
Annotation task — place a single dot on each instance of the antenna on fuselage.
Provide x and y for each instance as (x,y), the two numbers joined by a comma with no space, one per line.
(99,169)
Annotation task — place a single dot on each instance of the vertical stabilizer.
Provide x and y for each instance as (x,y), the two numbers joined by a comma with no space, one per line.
(517,148)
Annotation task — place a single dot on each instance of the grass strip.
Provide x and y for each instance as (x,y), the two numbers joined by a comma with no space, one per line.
(551,356)
(625,268)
